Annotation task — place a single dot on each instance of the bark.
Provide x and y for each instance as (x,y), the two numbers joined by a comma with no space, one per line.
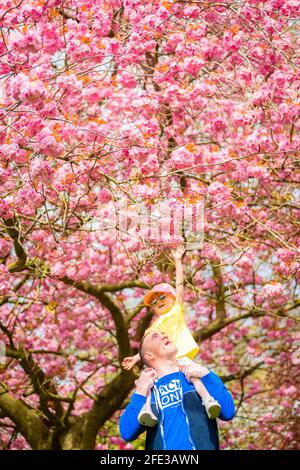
(29,424)
(109,400)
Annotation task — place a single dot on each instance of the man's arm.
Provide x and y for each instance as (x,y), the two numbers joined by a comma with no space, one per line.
(217,389)
(214,386)
(177,256)
(130,428)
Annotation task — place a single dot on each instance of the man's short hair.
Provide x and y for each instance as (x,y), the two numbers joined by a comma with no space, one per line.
(141,353)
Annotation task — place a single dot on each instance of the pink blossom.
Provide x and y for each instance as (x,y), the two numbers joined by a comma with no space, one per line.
(209,284)
(172,42)
(232,41)
(51,41)
(41,169)
(182,158)
(192,65)
(259,172)
(238,298)
(29,41)
(285,255)
(273,291)
(5,175)
(219,192)
(196,31)
(246,260)
(6,211)
(266,322)
(270,360)
(211,253)
(5,284)
(104,195)
(151,166)
(28,200)
(127,79)
(267,417)
(47,144)
(5,247)
(69,83)
(9,151)
(291,390)
(31,92)
(186,49)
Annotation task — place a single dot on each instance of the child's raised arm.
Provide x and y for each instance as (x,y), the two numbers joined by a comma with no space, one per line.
(177,256)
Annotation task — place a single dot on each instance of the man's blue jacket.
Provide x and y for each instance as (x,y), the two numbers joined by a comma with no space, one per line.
(203,431)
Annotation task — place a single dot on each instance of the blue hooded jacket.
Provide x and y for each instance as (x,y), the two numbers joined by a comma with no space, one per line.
(203,431)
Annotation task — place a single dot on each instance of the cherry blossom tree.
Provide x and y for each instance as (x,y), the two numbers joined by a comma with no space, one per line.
(137,102)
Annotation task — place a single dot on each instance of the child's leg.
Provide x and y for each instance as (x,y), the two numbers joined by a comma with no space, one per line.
(148,400)
(146,416)
(201,389)
(212,406)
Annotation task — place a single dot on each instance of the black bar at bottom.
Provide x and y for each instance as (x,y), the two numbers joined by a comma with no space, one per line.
(133,459)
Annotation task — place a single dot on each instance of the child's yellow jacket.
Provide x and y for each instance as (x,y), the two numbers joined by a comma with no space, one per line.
(173,324)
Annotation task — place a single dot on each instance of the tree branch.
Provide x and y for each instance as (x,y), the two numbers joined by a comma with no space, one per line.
(29,424)
(42,385)
(218,325)
(107,302)
(20,252)
(220,298)
(109,400)
(241,375)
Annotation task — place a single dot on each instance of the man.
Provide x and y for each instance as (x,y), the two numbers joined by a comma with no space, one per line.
(182,420)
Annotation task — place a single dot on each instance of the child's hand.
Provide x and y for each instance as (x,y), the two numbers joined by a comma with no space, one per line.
(178,253)
(129,362)
(194,370)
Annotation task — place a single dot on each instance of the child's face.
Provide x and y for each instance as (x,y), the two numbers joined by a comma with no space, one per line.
(164,303)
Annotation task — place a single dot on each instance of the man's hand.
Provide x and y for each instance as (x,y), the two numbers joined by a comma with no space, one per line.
(194,370)
(145,382)
(178,253)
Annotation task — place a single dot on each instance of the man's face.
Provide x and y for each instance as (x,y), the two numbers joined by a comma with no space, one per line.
(162,302)
(159,346)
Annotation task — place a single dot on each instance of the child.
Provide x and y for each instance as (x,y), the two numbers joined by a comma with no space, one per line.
(168,304)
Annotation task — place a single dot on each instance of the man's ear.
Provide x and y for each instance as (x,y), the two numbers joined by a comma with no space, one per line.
(148,356)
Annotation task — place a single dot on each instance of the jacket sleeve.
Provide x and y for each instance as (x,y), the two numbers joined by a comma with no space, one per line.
(130,428)
(217,389)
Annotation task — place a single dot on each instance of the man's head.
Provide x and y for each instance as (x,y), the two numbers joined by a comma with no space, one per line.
(156,348)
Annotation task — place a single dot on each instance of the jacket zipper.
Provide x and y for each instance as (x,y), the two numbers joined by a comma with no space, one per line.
(186,416)
(158,403)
